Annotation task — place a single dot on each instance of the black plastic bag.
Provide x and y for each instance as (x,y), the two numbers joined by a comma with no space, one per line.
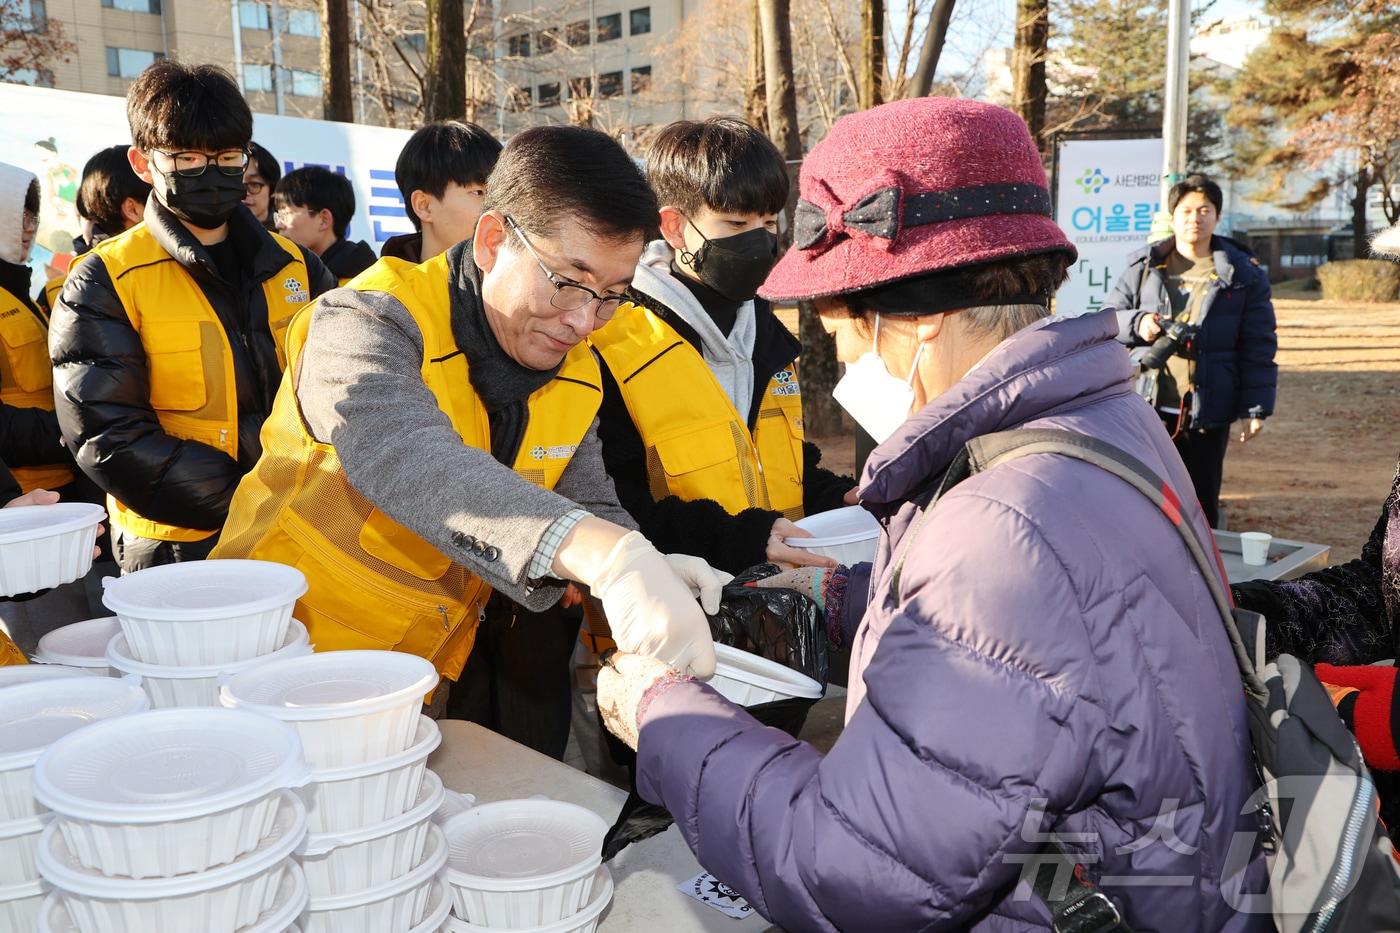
(781,625)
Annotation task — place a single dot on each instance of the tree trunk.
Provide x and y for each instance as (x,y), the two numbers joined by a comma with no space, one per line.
(336,100)
(756,100)
(872,52)
(1028,64)
(932,50)
(1361,242)
(445,86)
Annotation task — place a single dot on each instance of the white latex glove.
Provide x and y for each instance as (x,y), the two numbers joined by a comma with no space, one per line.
(649,600)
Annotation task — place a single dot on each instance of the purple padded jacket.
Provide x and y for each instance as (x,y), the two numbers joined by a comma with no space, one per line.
(1055,653)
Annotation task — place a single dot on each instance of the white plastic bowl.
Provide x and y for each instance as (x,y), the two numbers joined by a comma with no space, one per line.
(13,675)
(438,910)
(354,860)
(349,707)
(43,546)
(745,679)
(206,612)
(170,792)
(585,921)
(20,905)
(19,840)
(848,534)
(82,644)
(35,715)
(222,900)
(338,799)
(168,685)
(522,863)
(398,905)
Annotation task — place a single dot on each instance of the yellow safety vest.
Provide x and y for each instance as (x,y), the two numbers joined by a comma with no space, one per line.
(26,379)
(372,582)
(698,444)
(188,354)
(54,287)
(10,653)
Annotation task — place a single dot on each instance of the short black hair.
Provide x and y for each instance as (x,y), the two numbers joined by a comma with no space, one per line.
(173,106)
(441,153)
(318,189)
(267,165)
(720,163)
(31,197)
(108,180)
(548,173)
(1201,184)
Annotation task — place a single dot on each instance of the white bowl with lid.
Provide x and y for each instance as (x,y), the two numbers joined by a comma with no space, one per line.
(586,920)
(349,707)
(43,546)
(81,644)
(375,854)
(522,863)
(175,686)
(34,716)
(399,905)
(358,795)
(171,791)
(205,612)
(747,679)
(221,900)
(848,535)
(19,841)
(20,905)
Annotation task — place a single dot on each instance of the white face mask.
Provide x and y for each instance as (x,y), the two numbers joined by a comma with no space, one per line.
(878,401)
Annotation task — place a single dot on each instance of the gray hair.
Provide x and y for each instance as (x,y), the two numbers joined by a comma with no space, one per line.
(997,322)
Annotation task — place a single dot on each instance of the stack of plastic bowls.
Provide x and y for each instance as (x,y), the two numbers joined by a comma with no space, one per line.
(82,644)
(527,865)
(178,819)
(34,716)
(43,546)
(186,627)
(374,854)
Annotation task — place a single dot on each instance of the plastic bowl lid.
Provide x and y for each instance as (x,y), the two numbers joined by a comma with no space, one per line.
(434,857)
(749,668)
(332,685)
(600,895)
(204,590)
(82,644)
(430,796)
(839,526)
(425,741)
(118,657)
(36,715)
(62,869)
(518,845)
(32,522)
(13,675)
(170,764)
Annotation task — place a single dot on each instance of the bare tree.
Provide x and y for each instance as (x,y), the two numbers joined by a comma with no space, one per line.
(932,49)
(336,100)
(1029,90)
(756,100)
(30,43)
(872,52)
(445,84)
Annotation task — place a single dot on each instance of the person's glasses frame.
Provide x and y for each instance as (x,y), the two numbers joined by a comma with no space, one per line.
(569,296)
(190,163)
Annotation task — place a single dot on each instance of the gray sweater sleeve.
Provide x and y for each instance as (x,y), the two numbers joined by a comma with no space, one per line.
(360,389)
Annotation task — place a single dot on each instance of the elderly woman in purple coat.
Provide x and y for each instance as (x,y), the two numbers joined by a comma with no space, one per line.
(1050,660)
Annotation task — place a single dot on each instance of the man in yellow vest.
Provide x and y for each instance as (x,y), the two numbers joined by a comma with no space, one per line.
(434,440)
(166,339)
(702,413)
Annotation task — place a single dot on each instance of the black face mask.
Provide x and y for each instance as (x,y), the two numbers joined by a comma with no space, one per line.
(735,266)
(206,200)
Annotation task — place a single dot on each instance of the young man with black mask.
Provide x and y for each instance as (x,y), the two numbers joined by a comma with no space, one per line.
(701,421)
(166,341)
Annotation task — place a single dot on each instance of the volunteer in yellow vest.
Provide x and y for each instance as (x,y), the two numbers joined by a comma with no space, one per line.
(166,338)
(702,413)
(29,433)
(434,439)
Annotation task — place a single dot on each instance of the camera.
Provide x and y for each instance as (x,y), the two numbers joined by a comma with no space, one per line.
(1177,337)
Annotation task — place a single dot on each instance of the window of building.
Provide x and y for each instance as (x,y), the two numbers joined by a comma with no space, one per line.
(257,77)
(303,83)
(580,88)
(546,41)
(640,21)
(547,94)
(253,15)
(24,15)
(40,77)
(519,46)
(128,63)
(576,34)
(133,6)
(641,79)
(610,27)
(304,22)
(520,99)
(418,41)
(610,84)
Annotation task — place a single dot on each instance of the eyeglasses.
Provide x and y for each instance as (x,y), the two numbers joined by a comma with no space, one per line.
(191,164)
(254,188)
(570,296)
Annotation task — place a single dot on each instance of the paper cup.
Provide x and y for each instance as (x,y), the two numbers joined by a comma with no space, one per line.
(1254,547)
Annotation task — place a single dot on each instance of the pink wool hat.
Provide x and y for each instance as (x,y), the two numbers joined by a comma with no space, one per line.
(911,188)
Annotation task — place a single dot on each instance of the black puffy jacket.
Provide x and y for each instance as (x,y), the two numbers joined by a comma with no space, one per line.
(102,381)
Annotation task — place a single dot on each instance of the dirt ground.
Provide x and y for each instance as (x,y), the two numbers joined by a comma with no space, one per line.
(1324,463)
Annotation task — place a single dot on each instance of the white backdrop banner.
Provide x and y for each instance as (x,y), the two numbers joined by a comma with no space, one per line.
(53,133)
(1106,195)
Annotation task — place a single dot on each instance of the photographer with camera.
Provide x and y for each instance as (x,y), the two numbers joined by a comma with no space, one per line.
(1197,311)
